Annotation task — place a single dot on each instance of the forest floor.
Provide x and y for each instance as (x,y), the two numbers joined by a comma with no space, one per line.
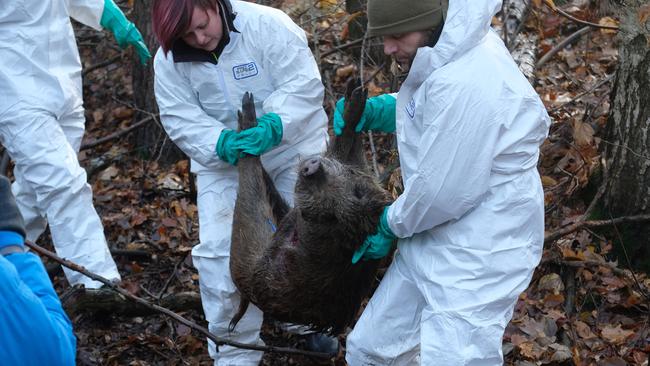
(583,307)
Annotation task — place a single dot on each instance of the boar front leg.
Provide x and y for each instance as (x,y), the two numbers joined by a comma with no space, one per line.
(253,220)
(348,147)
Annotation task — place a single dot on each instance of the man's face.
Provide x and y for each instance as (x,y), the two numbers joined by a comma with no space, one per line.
(206,29)
(404,46)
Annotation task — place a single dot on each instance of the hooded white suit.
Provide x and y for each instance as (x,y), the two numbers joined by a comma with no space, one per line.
(471,217)
(42,124)
(198,98)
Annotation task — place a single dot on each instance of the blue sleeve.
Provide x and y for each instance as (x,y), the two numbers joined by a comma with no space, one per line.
(35,330)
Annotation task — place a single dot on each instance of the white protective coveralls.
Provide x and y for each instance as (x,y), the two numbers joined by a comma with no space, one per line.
(269,57)
(42,124)
(471,217)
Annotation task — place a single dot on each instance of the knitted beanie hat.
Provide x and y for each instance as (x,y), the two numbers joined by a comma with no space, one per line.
(10,218)
(388,17)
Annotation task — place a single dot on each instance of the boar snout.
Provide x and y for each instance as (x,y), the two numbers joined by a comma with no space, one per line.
(310,166)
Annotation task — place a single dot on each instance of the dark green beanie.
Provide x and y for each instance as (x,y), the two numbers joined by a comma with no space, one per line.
(10,218)
(389,17)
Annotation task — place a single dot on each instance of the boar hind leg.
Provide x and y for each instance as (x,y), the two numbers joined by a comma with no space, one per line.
(348,147)
(253,220)
(278,204)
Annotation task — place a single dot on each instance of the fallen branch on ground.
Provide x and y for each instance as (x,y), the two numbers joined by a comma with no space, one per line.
(217,340)
(116,135)
(594,223)
(82,301)
(560,46)
(551,5)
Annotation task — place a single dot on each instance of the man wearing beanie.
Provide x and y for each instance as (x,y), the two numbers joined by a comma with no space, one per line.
(469,226)
(29,308)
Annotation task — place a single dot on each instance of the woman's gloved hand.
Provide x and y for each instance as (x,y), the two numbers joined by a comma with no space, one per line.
(378,245)
(124,31)
(378,115)
(253,141)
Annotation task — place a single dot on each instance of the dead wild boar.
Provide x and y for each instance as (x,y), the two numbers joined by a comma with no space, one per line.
(295,263)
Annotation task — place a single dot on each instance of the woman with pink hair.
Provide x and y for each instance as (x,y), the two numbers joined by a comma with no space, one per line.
(212,52)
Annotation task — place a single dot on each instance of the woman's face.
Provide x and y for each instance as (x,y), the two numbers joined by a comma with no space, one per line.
(206,29)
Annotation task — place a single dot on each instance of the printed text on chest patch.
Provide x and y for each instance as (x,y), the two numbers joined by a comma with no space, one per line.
(244,71)
(410,108)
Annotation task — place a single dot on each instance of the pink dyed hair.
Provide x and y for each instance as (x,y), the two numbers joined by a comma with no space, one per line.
(171,18)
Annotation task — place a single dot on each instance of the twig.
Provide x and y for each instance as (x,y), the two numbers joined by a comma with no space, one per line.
(116,135)
(574,99)
(217,340)
(92,68)
(587,263)
(560,46)
(169,280)
(374,73)
(579,21)
(594,223)
(131,254)
(341,47)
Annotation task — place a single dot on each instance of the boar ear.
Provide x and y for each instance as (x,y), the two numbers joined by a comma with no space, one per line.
(368,205)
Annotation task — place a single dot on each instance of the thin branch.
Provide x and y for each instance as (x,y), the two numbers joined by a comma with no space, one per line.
(341,47)
(217,340)
(116,135)
(593,223)
(574,99)
(579,21)
(171,277)
(372,76)
(560,46)
(587,263)
(92,68)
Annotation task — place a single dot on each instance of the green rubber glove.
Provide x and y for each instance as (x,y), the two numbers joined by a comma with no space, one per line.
(253,141)
(124,31)
(378,115)
(376,246)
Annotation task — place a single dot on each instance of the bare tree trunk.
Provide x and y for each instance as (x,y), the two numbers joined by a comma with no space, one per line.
(151,141)
(627,140)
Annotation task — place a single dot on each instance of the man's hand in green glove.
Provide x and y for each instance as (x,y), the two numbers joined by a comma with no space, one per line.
(377,245)
(253,141)
(378,115)
(124,31)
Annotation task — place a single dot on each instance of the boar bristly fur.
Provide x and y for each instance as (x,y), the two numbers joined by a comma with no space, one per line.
(295,263)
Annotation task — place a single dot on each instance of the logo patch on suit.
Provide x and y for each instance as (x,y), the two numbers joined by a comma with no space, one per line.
(410,108)
(244,71)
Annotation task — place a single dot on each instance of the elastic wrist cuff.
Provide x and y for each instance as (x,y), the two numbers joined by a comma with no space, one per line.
(383,224)
(9,238)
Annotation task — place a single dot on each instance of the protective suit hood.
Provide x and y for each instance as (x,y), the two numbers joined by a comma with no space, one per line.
(466,24)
